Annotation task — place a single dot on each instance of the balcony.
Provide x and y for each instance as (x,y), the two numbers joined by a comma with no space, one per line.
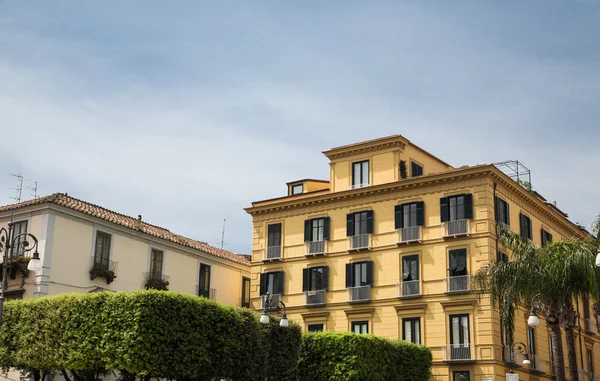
(540,365)
(275,299)
(315,298)
(359,242)
(104,269)
(272,253)
(408,289)
(455,228)
(458,352)
(409,235)
(360,294)
(357,186)
(209,294)
(502,227)
(512,357)
(156,281)
(581,374)
(315,248)
(589,325)
(458,284)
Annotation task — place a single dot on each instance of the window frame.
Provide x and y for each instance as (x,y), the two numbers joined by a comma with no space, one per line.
(245,290)
(19,251)
(410,258)
(308,327)
(461,328)
(204,279)
(360,324)
(363,273)
(412,169)
(502,213)
(455,373)
(454,272)
(316,269)
(294,187)
(412,321)
(272,278)
(271,240)
(154,273)
(529,233)
(590,362)
(361,174)
(98,259)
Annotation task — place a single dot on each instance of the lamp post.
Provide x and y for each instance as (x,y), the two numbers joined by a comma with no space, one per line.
(8,243)
(519,347)
(269,304)
(533,320)
(598,259)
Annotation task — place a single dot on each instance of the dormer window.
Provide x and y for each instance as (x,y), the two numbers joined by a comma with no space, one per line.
(297,189)
(416,169)
(360,174)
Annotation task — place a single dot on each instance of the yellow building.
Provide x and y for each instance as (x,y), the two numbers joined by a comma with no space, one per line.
(86,248)
(387,246)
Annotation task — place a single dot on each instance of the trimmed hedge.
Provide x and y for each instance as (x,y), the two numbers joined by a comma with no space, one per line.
(350,357)
(145,334)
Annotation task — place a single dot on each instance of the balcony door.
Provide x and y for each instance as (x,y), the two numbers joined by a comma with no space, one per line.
(460,348)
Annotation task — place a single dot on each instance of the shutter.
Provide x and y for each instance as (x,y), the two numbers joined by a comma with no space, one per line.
(420,213)
(370,222)
(405,268)
(305,280)
(325,278)
(307,230)
(348,275)
(280,282)
(263,284)
(507,213)
(350,224)
(496,203)
(543,238)
(453,262)
(444,209)
(522,225)
(468,206)
(370,273)
(398,216)
(326,228)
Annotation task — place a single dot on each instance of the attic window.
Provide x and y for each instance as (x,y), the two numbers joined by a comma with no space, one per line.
(297,189)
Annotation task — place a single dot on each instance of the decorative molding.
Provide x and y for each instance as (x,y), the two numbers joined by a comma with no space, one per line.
(316,315)
(410,307)
(338,153)
(358,311)
(459,303)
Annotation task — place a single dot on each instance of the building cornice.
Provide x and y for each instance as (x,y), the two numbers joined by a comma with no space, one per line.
(395,141)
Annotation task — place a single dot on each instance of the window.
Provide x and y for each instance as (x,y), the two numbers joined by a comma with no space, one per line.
(551,350)
(245,292)
(409,215)
(297,189)
(546,238)
(360,174)
(316,229)
(460,337)
(156,263)
(531,345)
(461,375)
(502,211)
(204,281)
(315,278)
(274,235)
(590,362)
(503,257)
(272,283)
(359,274)
(458,262)
(315,328)
(411,330)
(102,252)
(360,327)
(456,208)
(359,223)
(410,268)
(19,227)
(526,227)
(415,169)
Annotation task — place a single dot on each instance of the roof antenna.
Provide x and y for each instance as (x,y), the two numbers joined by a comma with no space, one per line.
(34,189)
(19,187)
(223,234)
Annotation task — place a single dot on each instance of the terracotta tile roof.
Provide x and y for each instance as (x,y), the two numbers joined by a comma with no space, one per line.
(128,222)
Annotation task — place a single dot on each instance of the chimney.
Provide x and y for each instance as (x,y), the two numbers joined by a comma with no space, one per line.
(554,203)
(139,217)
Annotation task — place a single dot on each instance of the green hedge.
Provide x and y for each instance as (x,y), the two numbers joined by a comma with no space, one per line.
(350,357)
(144,334)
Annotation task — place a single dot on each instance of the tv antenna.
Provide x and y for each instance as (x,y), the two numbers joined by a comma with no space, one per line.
(223,234)
(19,188)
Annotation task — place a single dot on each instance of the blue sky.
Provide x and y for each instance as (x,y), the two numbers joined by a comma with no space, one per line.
(186,111)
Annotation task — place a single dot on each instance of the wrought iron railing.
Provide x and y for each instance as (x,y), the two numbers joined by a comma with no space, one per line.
(511,356)
(359,294)
(410,234)
(275,299)
(359,242)
(460,283)
(103,268)
(502,227)
(156,280)
(539,364)
(457,352)
(408,288)
(316,248)
(315,298)
(455,228)
(272,253)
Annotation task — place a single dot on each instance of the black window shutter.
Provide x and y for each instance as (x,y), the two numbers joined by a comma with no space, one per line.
(263,283)
(523,222)
(307,230)
(543,238)
(444,209)
(468,206)
(280,282)
(398,216)
(496,203)
(325,278)
(305,280)
(349,275)
(548,237)
(350,224)
(370,222)
(326,228)
(370,273)
(530,229)
(420,213)
(507,213)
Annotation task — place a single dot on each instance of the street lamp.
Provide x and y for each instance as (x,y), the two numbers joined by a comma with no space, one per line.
(268,304)
(533,320)
(598,259)
(519,347)
(8,243)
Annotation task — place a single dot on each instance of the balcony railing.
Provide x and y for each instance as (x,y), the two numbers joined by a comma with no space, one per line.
(539,364)
(272,253)
(460,283)
(104,269)
(581,374)
(356,186)
(409,288)
(316,248)
(512,357)
(359,242)
(359,294)
(275,299)
(408,235)
(455,228)
(502,227)
(315,298)
(458,352)
(157,281)
(588,325)
(209,294)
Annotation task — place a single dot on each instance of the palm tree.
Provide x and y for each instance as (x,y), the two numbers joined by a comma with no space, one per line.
(546,279)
